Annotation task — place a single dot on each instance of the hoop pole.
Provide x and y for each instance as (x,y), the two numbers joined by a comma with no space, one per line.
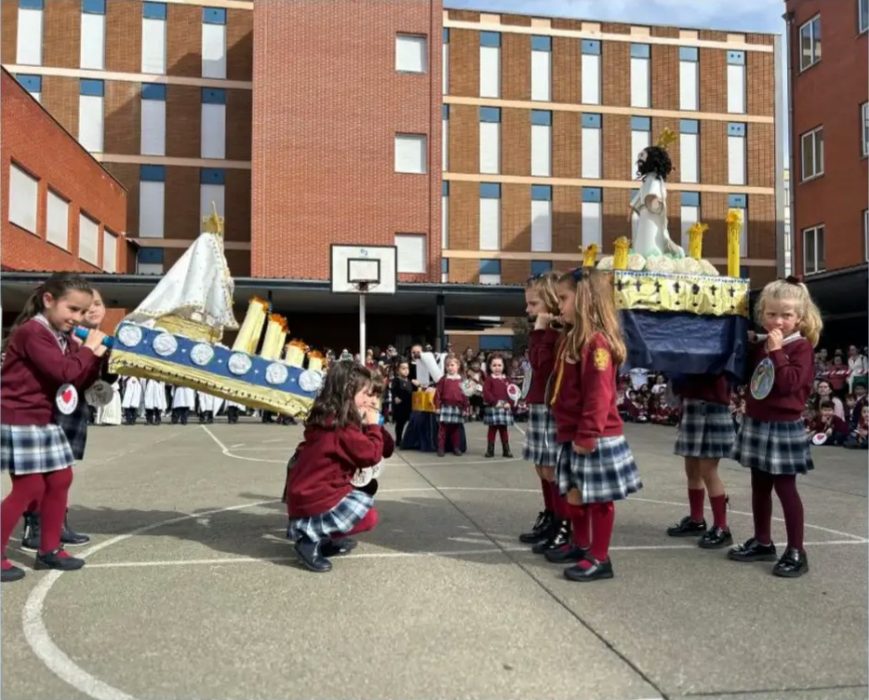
(362,348)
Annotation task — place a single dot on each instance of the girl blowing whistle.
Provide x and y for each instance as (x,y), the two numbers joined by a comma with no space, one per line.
(595,465)
(772,441)
(342,435)
(44,371)
(452,406)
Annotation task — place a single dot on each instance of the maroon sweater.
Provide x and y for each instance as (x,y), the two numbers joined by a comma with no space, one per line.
(794,371)
(449,393)
(585,406)
(819,425)
(713,388)
(327,460)
(495,390)
(541,354)
(34,368)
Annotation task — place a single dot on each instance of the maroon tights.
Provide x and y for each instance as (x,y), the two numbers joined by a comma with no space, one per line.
(499,430)
(50,490)
(785,485)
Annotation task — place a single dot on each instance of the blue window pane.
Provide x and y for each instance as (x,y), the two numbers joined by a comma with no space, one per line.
(641,124)
(445,111)
(490,114)
(152,173)
(737,201)
(153,91)
(541,43)
(93,7)
(213,96)
(445,189)
(445,265)
(591,46)
(736,58)
(743,272)
(446,35)
(639,50)
(541,117)
(591,194)
(688,53)
(540,267)
(689,126)
(213,15)
(150,256)
(591,121)
(154,10)
(30,4)
(31,83)
(496,342)
(490,267)
(94,88)
(490,190)
(212,176)
(490,39)
(541,193)
(690,199)
(736,129)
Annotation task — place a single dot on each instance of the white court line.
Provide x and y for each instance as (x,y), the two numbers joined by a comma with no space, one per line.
(226,451)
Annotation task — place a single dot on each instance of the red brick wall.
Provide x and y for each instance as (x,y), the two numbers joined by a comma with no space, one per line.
(35,142)
(325,113)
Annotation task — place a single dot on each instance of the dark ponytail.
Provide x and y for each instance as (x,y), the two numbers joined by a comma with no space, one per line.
(57,285)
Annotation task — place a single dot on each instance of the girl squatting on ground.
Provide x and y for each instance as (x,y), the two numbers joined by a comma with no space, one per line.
(44,370)
(498,414)
(342,435)
(595,465)
(452,405)
(772,441)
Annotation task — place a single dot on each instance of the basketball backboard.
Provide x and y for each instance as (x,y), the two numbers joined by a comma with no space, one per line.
(369,269)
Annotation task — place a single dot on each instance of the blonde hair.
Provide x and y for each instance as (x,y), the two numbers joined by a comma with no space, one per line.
(595,312)
(792,290)
(544,285)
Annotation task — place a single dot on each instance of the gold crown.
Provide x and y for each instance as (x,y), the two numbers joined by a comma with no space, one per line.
(667,137)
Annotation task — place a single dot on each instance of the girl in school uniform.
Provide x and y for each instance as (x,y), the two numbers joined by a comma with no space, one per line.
(772,441)
(43,371)
(706,434)
(452,405)
(401,390)
(595,466)
(499,406)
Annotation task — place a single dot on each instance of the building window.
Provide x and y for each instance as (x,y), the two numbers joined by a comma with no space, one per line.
(410,153)
(212,191)
(445,270)
(154,37)
(490,140)
(411,252)
(812,153)
(213,143)
(23,191)
(445,62)
(490,272)
(541,143)
(813,250)
(149,261)
(490,216)
(541,219)
(540,267)
(88,239)
(592,220)
(152,140)
(90,114)
(93,34)
(213,42)
(590,145)
(29,41)
(490,64)
(541,68)
(31,83)
(411,52)
(736,82)
(152,188)
(740,201)
(496,343)
(445,137)
(810,42)
(689,214)
(689,150)
(445,215)
(862,15)
(864,127)
(110,251)
(688,77)
(590,72)
(641,138)
(640,83)
(735,153)
(57,221)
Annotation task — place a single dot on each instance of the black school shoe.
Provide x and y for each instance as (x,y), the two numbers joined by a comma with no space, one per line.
(11,574)
(715,537)
(752,550)
(334,548)
(70,536)
(30,536)
(560,536)
(687,528)
(58,559)
(793,563)
(541,528)
(311,556)
(567,552)
(598,570)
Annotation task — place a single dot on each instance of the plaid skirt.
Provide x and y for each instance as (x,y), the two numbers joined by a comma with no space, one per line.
(497,416)
(451,414)
(351,509)
(607,474)
(33,449)
(705,431)
(541,445)
(75,427)
(777,447)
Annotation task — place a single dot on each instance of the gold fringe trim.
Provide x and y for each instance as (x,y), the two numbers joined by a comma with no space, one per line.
(696,294)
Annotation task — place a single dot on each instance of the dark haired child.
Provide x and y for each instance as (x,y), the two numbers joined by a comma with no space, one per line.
(499,407)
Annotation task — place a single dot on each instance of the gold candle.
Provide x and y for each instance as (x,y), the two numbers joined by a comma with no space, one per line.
(695,240)
(295,356)
(251,328)
(276,334)
(590,257)
(734,228)
(620,259)
(315,361)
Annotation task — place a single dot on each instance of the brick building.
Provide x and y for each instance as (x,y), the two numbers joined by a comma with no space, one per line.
(830,152)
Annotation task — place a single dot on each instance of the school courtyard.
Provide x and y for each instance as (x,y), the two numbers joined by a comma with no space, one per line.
(192,591)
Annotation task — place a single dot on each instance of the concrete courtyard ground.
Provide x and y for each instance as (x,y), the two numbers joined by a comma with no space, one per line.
(192,591)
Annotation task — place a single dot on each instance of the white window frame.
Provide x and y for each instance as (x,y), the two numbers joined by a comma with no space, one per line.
(591,146)
(641,82)
(57,220)
(688,216)
(214,50)
(640,139)
(592,223)
(490,235)
(541,226)
(404,144)
(815,42)
(22,207)
(689,156)
(736,88)
(152,218)
(212,192)
(864,127)
(812,136)
(96,243)
(91,132)
(862,12)
(419,263)
(490,82)
(110,251)
(152,137)
(213,137)
(445,65)
(27,50)
(689,85)
(154,49)
(92,54)
(490,148)
(541,150)
(813,231)
(541,76)
(590,89)
(404,63)
(737,165)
